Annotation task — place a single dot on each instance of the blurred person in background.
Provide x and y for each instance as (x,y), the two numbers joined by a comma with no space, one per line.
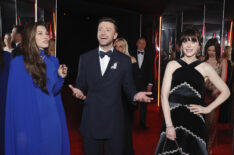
(144,75)
(16,36)
(212,57)
(7,43)
(226,107)
(5,58)
(51,48)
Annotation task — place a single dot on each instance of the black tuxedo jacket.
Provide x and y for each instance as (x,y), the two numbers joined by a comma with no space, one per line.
(16,51)
(145,74)
(103,107)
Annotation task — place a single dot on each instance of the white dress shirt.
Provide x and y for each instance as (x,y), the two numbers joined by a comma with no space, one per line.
(140,58)
(104,61)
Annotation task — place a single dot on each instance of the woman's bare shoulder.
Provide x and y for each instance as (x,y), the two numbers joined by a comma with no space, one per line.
(173,65)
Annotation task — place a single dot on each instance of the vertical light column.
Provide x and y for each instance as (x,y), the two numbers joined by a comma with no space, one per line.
(35,10)
(159,60)
(0,21)
(140,24)
(16,13)
(222,37)
(19,22)
(55,20)
(204,29)
(182,21)
(229,39)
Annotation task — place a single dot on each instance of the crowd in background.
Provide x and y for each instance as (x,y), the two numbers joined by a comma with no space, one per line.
(143,74)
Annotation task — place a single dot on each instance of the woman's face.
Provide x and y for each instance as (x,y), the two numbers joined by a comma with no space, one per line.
(119,46)
(42,37)
(190,48)
(211,51)
(7,39)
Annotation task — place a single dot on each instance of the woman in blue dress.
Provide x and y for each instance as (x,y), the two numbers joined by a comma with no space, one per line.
(35,122)
(5,58)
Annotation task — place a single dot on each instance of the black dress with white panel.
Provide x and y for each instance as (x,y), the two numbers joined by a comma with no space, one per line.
(187,88)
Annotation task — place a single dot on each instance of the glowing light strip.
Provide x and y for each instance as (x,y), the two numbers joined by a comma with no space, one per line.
(156,56)
(229,41)
(19,20)
(214,35)
(159,60)
(54,24)
(35,10)
(51,34)
(231,34)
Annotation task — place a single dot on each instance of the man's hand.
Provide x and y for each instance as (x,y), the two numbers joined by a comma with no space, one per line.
(142,97)
(77,93)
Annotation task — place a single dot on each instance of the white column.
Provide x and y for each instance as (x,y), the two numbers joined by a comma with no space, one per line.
(35,9)
(16,13)
(182,21)
(140,24)
(204,29)
(222,36)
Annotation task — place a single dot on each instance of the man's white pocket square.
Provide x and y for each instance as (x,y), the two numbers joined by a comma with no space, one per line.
(114,66)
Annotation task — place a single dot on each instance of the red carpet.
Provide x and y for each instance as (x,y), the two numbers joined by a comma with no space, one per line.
(144,141)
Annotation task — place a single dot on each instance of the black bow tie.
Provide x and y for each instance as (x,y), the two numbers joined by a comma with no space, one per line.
(102,54)
(138,52)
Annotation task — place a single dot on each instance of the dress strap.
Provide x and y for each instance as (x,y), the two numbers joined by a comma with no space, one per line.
(181,62)
(196,63)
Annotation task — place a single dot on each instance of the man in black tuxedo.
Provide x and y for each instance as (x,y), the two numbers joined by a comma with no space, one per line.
(144,75)
(16,35)
(103,75)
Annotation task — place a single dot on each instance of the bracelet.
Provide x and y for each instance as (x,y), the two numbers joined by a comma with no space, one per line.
(171,126)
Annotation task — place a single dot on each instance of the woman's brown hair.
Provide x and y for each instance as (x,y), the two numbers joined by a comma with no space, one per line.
(189,35)
(215,43)
(33,62)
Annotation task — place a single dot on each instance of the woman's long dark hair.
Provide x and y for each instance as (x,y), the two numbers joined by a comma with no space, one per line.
(32,60)
(2,62)
(215,43)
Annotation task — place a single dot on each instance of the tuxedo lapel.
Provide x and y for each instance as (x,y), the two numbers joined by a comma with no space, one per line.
(110,64)
(96,66)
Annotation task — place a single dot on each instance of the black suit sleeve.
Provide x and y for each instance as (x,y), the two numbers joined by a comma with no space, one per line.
(16,52)
(81,78)
(128,84)
(151,68)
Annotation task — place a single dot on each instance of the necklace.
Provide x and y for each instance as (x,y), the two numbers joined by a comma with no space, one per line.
(43,57)
(189,61)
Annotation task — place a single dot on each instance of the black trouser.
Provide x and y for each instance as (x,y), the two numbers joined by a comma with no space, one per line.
(112,146)
(143,110)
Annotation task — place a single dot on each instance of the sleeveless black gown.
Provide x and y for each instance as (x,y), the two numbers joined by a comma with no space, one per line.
(187,88)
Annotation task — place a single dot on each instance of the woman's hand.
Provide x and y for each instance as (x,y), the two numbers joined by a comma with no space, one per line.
(197,109)
(170,133)
(62,71)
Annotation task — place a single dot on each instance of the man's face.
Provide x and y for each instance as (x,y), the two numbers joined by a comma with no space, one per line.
(106,33)
(141,44)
